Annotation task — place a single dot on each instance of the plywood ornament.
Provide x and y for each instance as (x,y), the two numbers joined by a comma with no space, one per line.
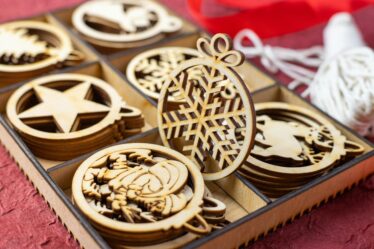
(142,194)
(123,23)
(66,115)
(32,47)
(149,70)
(204,120)
(292,146)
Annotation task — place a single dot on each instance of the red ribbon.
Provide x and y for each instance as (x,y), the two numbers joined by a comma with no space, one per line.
(269,18)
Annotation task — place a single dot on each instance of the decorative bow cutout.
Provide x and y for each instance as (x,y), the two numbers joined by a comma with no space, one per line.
(220,48)
(278,58)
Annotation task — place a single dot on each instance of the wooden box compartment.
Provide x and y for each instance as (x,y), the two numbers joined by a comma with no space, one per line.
(65,15)
(63,175)
(278,93)
(106,73)
(89,55)
(252,76)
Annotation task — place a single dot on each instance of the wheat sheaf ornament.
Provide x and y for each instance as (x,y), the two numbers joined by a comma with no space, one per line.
(66,115)
(123,23)
(141,194)
(30,47)
(203,124)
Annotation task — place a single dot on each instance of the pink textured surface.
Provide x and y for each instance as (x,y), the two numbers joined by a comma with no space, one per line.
(346,222)
(25,219)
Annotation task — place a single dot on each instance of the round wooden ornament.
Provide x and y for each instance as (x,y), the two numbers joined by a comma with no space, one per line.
(203,122)
(149,70)
(140,194)
(123,23)
(31,46)
(295,141)
(65,115)
(293,145)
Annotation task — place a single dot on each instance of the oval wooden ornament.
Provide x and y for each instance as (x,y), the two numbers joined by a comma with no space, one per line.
(145,185)
(24,41)
(123,23)
(65,115)
(202,125)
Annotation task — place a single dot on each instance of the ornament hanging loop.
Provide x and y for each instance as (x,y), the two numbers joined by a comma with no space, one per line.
(220,48)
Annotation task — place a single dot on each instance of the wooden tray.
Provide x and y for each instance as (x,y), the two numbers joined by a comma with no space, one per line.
(252,213)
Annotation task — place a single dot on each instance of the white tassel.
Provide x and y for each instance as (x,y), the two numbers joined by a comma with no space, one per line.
(344,84)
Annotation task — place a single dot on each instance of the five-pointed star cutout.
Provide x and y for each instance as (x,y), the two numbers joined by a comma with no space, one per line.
(63,107)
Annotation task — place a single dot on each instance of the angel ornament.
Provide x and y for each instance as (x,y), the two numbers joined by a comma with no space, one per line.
(134,189)
(29,48)
(123,23)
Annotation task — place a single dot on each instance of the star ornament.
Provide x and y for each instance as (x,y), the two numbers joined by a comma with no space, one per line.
(65,108)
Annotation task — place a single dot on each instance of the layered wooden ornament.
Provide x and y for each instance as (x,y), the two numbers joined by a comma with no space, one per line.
(29,48)
(203,115)
(66,115)
(123,23)
(292,146)
(149,70)
(143,194)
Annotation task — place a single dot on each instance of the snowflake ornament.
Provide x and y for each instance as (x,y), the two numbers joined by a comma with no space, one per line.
(204,123)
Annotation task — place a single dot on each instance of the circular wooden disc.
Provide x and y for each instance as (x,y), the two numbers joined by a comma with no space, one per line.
(204,123)
(143,161)
(32,37)
(148,70)
(126,21)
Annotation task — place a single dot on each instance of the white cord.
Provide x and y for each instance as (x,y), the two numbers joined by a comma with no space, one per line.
(278,58)
(344,88)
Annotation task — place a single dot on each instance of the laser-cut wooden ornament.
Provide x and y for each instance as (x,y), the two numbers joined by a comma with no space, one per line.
(149,70)
(203,122)
(66,115)
(292,146)
(140,194)
(123,23)
(29,48)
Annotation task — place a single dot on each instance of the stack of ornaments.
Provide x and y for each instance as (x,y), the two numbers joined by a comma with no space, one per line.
(66,115)
(120,24)
(143,195)
(30,48)
(293,145)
